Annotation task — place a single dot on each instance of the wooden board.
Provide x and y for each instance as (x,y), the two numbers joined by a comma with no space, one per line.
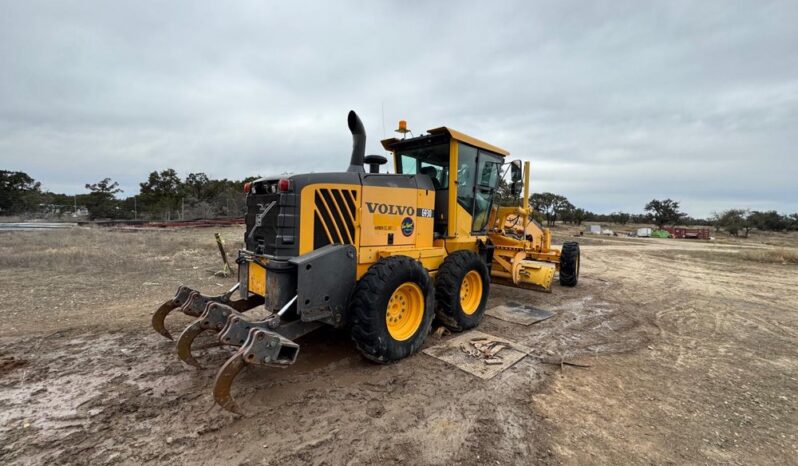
(450,352)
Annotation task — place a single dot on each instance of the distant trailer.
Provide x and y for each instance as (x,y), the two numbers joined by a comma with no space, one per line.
(595,229)
(644,232)
(688,233)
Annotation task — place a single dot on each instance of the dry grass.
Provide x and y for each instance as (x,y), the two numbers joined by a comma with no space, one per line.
(80,250)
(89,276)
(775,256)
(762,255)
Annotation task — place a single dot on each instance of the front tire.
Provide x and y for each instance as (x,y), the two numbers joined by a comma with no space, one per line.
(392,309)
(569,264)
(461,289)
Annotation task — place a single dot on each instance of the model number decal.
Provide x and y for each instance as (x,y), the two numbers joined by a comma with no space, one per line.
(426,213)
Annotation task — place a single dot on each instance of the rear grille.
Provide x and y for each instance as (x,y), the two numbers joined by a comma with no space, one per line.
(277,231)
(334,217)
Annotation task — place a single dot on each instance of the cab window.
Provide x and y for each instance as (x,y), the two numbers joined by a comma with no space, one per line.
(466,174)
(488,170)
(409,165)
(431,161)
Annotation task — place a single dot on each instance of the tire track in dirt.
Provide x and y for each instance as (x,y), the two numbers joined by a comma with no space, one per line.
(721,361)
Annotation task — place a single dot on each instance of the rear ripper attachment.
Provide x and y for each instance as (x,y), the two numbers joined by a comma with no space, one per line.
(267,342)
(318,284)
(260,344)
(192,303)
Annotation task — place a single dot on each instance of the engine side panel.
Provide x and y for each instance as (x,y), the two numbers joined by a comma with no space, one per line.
(393,216)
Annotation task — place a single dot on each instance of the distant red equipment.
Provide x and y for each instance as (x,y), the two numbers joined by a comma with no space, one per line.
(688,233)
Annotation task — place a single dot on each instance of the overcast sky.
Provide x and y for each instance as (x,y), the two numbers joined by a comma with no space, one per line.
(614,103)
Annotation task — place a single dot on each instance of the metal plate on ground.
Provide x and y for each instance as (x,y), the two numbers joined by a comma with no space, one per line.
(519,313)
(454,352)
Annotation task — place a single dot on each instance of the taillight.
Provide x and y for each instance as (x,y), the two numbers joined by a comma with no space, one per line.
(247,187)
(283,185)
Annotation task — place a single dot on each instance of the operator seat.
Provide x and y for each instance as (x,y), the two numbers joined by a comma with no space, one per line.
(432,172)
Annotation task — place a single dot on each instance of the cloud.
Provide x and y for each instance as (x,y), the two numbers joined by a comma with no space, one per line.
(614,102)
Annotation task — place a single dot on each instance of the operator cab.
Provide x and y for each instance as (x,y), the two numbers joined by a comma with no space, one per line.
(478,165)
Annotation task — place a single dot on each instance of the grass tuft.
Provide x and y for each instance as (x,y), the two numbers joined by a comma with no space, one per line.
(771,256)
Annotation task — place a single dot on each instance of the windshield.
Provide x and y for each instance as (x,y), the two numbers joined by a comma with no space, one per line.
(432,161)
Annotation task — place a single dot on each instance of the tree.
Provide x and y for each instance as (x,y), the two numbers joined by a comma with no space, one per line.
(620,218)
(734,221)
(768,221)
(201,192)
(101,201)
(199,187)
(18,192)
(579,215)
(564,209)
(549,205)
(664,212)
(162,192)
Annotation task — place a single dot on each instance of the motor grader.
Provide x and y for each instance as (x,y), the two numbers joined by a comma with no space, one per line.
(377,253)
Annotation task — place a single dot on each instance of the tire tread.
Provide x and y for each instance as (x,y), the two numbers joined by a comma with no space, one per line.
(366,326)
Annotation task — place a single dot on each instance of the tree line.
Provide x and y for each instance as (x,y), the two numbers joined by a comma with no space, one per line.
(550,208)
(165,196)
(740,222)
(162,196)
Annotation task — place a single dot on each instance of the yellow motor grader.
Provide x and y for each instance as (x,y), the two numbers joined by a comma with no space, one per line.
(377,253)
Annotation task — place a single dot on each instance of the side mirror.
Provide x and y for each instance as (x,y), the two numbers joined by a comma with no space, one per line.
(516,177)
(516,172)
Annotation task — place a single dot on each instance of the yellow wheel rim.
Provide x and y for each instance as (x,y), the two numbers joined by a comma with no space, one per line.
(405,311)
(471,292)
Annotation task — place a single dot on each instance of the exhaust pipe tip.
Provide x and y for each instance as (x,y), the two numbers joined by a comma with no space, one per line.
(354,121)
(358,143)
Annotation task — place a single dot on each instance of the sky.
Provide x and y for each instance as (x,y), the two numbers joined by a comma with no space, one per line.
(614,103)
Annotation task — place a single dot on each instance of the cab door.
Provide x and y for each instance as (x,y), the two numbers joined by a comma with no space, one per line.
(488,169)
(477,178)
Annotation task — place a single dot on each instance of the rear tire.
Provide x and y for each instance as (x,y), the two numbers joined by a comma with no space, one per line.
(392,309)
(569,264)
(461,289)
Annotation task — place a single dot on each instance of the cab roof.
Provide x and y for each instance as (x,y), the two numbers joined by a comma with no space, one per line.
(390,144)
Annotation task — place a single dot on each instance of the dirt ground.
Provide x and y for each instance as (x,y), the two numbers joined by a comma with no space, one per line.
(692,348)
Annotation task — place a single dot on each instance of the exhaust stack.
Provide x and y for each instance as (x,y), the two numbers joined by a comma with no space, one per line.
(358,143)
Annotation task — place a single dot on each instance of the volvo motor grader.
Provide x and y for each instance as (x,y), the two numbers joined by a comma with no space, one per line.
(379,254)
